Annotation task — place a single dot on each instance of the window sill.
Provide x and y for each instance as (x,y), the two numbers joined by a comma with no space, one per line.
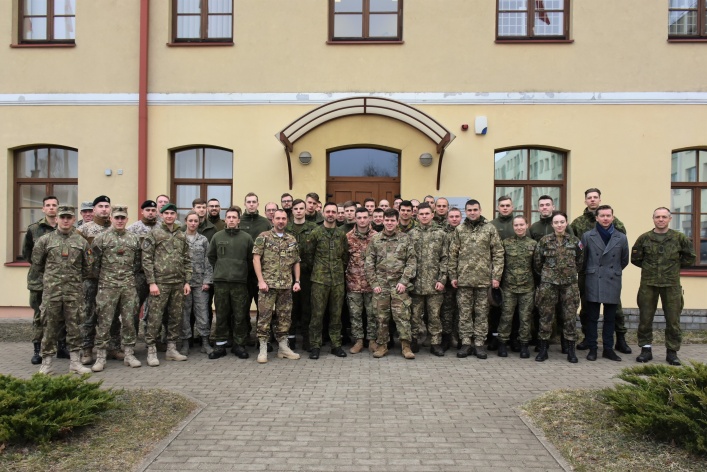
(687,40)
(534,41)
(363,42)
(17,264)
(200,44)
(43,45)
(693,273)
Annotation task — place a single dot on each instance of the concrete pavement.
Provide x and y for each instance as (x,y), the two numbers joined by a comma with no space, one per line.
(357,413)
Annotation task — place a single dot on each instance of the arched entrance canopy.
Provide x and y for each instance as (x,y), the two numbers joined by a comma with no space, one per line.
(422,122)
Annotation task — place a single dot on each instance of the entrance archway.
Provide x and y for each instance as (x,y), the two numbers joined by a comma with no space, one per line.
(357,173)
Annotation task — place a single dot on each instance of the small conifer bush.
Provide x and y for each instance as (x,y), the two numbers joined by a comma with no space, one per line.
(664,402)
(44,407)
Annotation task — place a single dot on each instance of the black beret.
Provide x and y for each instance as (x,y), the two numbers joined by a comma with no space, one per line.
(148,204)
(101,199)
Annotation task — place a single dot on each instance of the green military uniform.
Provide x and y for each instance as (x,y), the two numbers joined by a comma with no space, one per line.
(504,226)
(431,248)
(34,280)
(301,301)
(359,293)
(660,257)
(166,261)
(475,259)
(449,313)
(558,261)
(231,255)
(207,229)
(64,260)
(408,227)
(253,224)
(391,260)
(587,222)
(116,261)
(218,223)
(278,255)
(329,256)
(518,286)
(315,218)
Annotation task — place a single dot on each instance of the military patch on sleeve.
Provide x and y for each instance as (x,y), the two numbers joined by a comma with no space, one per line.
(146,244)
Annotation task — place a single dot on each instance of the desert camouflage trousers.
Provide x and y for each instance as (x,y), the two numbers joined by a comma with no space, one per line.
(547,297)
(525,303)
(274,301)
(358,303)
(171,298)
(116,309)
(55,314)
(389,304)
(473,303)
(432,304)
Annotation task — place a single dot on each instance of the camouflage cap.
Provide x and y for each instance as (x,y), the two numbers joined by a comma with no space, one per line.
(86,206)
(119,210)
(65,210)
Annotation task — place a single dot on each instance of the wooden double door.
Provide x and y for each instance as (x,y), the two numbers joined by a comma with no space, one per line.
(341,189)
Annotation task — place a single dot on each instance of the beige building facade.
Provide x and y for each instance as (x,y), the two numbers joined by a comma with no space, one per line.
(199,98)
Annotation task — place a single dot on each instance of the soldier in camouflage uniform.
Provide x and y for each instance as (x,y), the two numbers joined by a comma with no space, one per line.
(100,223)
(587,222)
(359,293)
(407,222)
(300,228)
(140,228)
(34,280)
(518,286)
(432,250)
(558,257)
(391,264)
(329,257)
(116,255)
(165,258)
(311,213)
(504,225)
(201,279)
(661,253)
(475,263)
(441,210)
(231,255)
(275,259)
(450,313)
(63,259)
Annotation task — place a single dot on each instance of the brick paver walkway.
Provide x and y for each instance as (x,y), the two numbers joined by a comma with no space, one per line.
(355,414)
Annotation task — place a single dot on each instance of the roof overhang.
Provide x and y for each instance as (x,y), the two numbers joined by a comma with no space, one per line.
(396,110)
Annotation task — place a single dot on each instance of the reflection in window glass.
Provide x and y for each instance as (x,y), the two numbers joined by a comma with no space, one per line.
(189,164)
(681,208)
(362,20)
(348,26)
(363,162)
(219,164)
(511,165)
(682,166)
(383,26)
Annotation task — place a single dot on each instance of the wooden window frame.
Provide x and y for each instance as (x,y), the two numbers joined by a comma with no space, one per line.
(701,24)
(203,183)
(365,38)
(204,27)
(528,185)
(530,37)
(50,17)
(697,187)
(48,182)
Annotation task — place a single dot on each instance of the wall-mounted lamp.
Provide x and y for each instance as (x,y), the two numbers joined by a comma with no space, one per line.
(305,158)
(426,159)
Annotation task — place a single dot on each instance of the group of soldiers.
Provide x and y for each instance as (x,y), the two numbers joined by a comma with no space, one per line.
(412,268)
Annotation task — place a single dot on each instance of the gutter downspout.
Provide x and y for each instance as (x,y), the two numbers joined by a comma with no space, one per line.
(142,102)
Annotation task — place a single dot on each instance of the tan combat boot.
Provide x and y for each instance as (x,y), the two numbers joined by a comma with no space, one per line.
(358,347)
(75,364)
(284,352)
(87,356)
(100,361)
(372,346)
(130,358)
(381,350)
(263,354)
(172,354)
(152,360)
(46,365)
(407,352)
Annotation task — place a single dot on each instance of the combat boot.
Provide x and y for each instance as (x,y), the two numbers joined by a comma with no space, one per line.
(172,354)
(219,351)
(381,351)
(502,349)
(284,352)
(414,346)
(563,344)
(407,352)
(152,360)
(184,350)
(446,341)
(436,349)
(263,354)
(37,357)
(571,355)
(621,344)
(358,347)
(524,351)
(61,351)
(87,356)
(130,359)
(645,355)
(466,350)
(542,351)
(481,352)
(205,346)
(46,365)
(100,361)
(75,364)
(672,357)
(116,354)
(372,346)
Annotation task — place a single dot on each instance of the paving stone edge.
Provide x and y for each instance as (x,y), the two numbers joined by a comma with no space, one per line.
(543,440)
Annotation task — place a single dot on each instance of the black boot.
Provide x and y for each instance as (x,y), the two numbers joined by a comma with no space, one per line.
(645,355)
(466,350)
(437,350)
(515,345)
(414,346)
(37,357)
(610,354)
(61,351)
(524,351)
(542,350)
(219,351)
(571,355)
(502,349)
(446,342)
(493,343)
(240,352)
(621,344)
(563,344)
(672,358)
(582,346)
(592,354)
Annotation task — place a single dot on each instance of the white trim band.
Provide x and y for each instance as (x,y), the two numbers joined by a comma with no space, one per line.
(411,98)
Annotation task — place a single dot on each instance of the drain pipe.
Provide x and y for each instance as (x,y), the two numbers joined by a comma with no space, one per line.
(142,102)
